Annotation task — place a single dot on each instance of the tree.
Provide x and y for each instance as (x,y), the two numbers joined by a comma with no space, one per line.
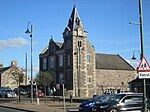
(44,79)
(18,76)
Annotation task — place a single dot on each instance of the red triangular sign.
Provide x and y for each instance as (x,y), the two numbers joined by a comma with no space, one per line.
(143,66)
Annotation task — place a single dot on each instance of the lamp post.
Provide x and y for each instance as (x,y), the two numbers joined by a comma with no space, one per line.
(30,32)
(142,52)
(133,57)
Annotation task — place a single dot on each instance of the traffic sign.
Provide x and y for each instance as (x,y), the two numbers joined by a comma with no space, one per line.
(143,69)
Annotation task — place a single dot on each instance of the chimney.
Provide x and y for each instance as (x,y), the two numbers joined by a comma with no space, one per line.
(14,63)
(1,65)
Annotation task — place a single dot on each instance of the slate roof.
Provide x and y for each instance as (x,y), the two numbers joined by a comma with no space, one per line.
(112,62)
(74,20)
(3,69)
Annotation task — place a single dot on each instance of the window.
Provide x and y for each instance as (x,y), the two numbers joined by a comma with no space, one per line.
(68,59)
(44,63)
(79,43)
(89,80)
(51,62)
(60,60)
(88,58)
(131,99)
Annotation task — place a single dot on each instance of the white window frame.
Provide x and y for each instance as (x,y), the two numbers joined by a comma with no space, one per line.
(88,58)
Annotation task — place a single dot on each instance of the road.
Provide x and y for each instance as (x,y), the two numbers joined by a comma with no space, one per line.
(9,110)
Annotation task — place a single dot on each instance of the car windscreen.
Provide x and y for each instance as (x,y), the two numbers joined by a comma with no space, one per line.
(116,98)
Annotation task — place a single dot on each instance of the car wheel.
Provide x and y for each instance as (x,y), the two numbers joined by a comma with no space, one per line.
(113,110)
(3,96)
(148,110)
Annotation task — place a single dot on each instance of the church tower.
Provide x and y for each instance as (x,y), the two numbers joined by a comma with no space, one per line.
(79,58)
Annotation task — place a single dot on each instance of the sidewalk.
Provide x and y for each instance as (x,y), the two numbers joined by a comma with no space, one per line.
(50,106)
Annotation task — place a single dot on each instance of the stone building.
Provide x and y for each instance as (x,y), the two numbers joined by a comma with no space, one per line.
(113,73)
(74,62)
(6,75)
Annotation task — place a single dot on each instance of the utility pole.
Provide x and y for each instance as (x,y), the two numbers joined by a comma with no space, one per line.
(142,53)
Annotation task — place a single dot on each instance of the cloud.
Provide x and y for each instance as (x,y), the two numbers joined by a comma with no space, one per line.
(13,42)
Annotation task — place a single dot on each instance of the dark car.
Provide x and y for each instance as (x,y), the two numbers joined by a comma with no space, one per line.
(125,102)
(87,105)
(22,91)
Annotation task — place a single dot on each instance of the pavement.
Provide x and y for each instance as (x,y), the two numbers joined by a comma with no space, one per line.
(41,106)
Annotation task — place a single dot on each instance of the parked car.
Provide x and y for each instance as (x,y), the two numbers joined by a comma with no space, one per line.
(87,105)
(22,91)
(36,93)
(2,89)
(8,94)
(125,102)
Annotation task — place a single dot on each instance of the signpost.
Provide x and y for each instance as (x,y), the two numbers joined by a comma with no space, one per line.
(143,69)
(144,73)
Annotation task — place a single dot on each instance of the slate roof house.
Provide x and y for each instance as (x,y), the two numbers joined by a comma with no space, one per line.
(6,77)
(113,73)
(75,64)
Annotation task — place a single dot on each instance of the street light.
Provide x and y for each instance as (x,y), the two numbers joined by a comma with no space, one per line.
(30,32)
(142,52)
(133,57)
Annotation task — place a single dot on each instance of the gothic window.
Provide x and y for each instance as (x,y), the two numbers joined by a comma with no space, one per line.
(44,63)
(60,59)
(51,62)
(88,58)
(68,60)
(77,22)
(79,43)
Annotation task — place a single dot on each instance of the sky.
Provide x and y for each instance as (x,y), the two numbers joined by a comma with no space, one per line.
(106,21)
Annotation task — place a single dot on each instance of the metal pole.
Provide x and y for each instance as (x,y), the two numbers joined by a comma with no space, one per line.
(64,98)
(31,66)
(26,70)
(31,36)
(142,53)
(79,72)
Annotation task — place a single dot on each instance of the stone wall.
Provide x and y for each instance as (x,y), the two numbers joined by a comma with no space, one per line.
(113,80)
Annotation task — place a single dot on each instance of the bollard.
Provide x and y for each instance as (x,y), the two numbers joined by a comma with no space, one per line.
(37,101)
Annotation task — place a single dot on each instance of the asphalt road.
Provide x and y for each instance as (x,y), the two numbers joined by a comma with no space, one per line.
(9,110)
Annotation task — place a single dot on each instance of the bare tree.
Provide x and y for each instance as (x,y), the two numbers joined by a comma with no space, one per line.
(19,78)
(44,79)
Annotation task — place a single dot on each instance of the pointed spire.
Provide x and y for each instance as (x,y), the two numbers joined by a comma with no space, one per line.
(74,20)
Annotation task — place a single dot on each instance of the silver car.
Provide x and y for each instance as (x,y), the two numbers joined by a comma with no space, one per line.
(8,94)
